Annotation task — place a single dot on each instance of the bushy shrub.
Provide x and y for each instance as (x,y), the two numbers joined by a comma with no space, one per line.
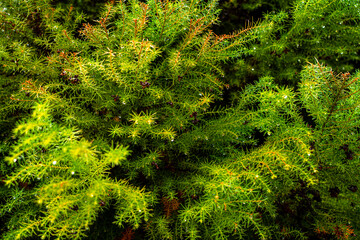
(124,129)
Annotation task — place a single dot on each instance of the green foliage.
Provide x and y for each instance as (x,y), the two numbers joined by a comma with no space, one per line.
(65,182)
(333,102)
(88,8)
(322,29)
(128,121)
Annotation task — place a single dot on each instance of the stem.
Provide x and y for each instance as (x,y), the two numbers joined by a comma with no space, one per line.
(165,18)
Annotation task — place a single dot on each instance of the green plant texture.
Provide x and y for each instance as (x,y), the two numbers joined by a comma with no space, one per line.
(326,30)
(146,124)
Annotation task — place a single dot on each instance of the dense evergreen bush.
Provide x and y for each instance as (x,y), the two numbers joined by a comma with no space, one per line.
(128,127)
(325,30)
